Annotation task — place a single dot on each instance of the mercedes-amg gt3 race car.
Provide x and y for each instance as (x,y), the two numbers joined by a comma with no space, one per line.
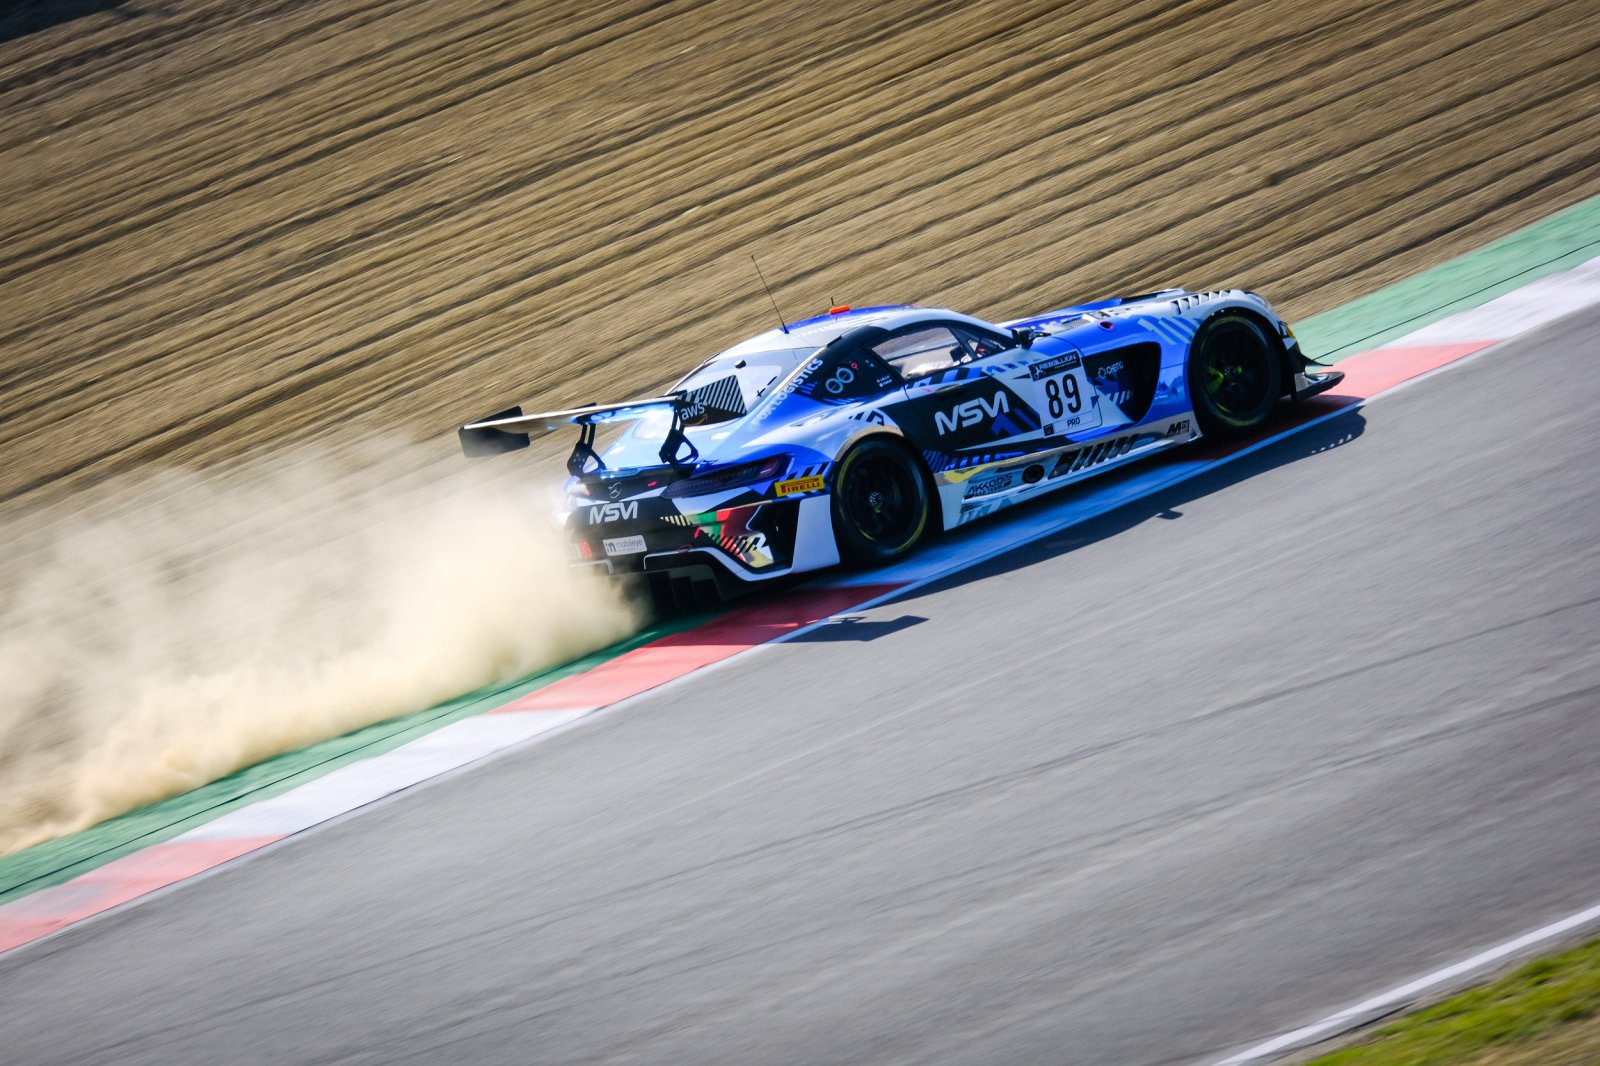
(850,436)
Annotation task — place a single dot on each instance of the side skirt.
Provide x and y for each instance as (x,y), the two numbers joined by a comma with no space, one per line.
(979,491)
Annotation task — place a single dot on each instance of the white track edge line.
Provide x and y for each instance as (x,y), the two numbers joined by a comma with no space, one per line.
(333,819)
(1385,1002)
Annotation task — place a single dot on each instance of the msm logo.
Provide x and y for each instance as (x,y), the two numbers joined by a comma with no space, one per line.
(970,413)
(613,512)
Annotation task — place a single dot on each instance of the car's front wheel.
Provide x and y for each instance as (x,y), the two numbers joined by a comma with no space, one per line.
(881,503)
(1235,375)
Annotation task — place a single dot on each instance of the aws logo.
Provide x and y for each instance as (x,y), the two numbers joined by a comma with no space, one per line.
(613,512)
(970,413)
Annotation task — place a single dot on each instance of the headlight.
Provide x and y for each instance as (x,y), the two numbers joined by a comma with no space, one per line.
(729,477)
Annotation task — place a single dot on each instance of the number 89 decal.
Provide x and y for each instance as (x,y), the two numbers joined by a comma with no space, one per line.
(1062,395)
(1066,393)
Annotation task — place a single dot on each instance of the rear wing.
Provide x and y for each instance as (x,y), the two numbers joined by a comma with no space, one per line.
(510,430)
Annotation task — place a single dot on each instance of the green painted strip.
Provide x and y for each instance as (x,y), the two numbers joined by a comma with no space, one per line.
(56,861)
(1563,240)
(1560,241)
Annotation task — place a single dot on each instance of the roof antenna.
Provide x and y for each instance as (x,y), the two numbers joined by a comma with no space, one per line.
(783,327)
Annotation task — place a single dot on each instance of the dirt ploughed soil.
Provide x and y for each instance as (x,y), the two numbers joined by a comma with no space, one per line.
(229,225)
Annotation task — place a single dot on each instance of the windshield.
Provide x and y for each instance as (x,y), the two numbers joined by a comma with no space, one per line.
(724,389)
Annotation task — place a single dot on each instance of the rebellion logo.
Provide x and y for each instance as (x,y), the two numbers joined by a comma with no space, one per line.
(970,413)
(1054,365)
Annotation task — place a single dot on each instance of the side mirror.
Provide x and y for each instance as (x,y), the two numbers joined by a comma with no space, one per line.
(1023,337)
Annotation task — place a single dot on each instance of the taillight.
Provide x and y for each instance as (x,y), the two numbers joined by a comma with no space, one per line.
(729,477)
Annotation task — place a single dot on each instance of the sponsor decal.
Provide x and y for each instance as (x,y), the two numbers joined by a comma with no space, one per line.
(793,385)
(832,379)
(1054,365)
(970,413)
(988,486)
(813,483)
(835,378)
(722,396)
(1177,428)
(752,548)
(841,377)
(613,512)
(624,545)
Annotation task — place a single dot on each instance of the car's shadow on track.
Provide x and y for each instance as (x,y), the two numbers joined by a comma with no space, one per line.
(848,628)
(1167,503)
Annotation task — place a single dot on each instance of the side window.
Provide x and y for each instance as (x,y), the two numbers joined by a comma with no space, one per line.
(921,350)
(982,343)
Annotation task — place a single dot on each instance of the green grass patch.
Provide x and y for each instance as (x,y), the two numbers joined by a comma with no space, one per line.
(1494,1023)
(1565,239)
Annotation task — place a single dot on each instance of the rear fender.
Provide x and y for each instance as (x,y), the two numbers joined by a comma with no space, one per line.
(892,434)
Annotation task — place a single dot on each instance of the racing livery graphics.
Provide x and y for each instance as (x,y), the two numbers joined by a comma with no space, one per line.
(848,437)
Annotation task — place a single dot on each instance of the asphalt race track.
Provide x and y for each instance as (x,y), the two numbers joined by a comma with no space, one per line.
(1151,790)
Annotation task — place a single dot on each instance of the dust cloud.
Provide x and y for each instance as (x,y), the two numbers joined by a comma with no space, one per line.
(161,633)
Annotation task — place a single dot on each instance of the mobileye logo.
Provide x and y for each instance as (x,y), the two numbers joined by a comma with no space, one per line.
(613,512)
(970,413)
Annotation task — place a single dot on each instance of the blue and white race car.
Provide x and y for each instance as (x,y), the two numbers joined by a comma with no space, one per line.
(848,437)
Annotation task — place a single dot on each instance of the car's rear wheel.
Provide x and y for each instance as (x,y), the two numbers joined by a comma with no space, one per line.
(882,504)
(1235,375)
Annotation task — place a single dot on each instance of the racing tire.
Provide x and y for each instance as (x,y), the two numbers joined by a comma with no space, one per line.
(882,504)
(1235,375)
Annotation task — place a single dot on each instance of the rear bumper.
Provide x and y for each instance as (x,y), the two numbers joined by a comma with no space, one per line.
(752,540)
(692,579)
(711,553)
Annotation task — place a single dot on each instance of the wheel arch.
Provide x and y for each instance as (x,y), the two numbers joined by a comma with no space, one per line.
(919,462)
(1285,360)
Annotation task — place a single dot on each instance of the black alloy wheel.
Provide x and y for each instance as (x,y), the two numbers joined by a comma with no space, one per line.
(881,503)
(1235,375)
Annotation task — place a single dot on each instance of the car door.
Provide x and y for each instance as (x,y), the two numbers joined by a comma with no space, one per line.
(968,391)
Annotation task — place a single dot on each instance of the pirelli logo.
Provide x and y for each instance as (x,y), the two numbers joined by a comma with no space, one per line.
(800,484)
